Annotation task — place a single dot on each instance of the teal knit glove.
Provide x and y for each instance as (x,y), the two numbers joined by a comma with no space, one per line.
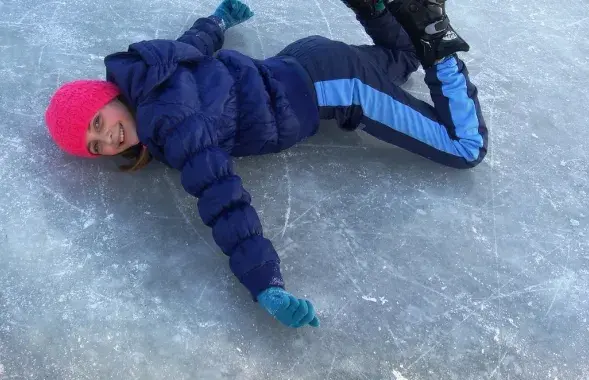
(287,309)
(231,13)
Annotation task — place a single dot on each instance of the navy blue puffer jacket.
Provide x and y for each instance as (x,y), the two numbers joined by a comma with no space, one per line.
(195,107)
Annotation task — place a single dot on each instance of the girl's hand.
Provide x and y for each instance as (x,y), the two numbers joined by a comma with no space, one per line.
(232,12)
(287,309)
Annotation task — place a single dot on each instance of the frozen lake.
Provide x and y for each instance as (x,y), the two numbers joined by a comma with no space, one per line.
(417,271)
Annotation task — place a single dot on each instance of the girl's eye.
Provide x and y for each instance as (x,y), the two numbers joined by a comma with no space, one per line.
(95,147)
(97,123)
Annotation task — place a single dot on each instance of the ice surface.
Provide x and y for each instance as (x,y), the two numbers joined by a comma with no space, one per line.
(418,271)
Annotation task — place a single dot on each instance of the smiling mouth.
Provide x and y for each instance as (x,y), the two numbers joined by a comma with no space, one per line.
(121,134)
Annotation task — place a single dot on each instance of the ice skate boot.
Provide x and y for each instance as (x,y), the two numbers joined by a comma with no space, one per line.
(429,28)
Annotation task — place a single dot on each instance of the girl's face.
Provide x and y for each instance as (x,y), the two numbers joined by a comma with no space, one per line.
(112,130)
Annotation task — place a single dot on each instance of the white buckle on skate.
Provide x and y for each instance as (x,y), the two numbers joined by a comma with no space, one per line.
(451,35)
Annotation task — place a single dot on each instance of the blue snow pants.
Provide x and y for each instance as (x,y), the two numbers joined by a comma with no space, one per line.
(359,87)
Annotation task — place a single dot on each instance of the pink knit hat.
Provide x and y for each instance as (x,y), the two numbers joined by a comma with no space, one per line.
(71,110)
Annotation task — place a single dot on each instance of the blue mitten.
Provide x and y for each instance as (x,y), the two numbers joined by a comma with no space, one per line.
(287,309)
(231,13)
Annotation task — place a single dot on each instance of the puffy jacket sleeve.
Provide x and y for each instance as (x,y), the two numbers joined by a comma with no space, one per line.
(205,34)
(224,205)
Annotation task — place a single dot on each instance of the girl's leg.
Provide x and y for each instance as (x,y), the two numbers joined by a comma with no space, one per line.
(452,133)
(356,85)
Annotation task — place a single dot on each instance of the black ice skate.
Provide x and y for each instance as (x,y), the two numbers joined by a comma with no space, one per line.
(429,27)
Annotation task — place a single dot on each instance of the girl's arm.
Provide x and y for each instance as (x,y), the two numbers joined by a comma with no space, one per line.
(207,34)
(189,144)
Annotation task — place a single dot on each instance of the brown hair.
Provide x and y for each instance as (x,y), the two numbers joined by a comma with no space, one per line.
(138,156)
